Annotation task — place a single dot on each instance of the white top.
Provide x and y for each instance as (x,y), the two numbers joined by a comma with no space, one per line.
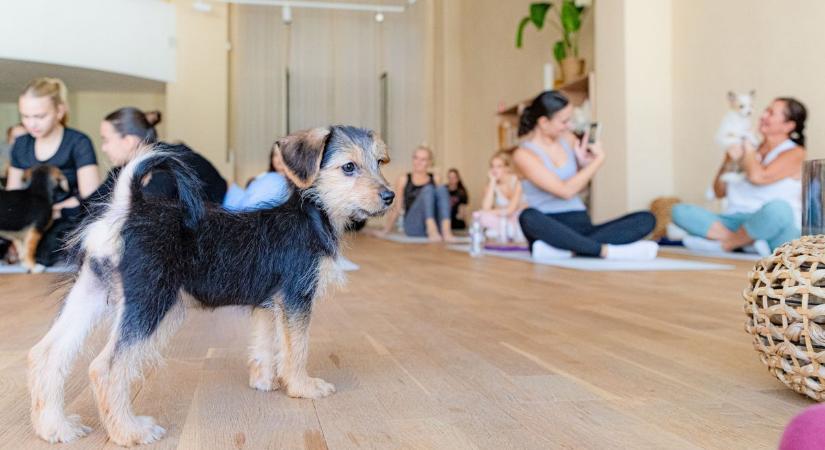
(746,197)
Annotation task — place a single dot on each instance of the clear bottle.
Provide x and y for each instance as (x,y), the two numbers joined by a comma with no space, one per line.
(476,236)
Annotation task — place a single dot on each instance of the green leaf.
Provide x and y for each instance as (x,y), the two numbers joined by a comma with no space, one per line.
(520,32)
(538,11)
(559,51)
(570,17)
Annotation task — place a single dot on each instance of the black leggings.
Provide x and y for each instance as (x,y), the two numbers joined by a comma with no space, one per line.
(575,232)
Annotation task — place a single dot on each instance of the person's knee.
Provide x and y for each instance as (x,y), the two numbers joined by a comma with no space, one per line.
(779,211)
(428,189)
(646,221)
(679,213)
(528,217)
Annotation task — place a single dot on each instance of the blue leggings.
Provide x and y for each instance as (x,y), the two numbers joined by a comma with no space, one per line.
(574,230)
(431,203)
(774,222)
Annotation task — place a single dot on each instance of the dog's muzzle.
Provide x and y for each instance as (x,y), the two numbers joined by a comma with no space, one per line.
(387,196)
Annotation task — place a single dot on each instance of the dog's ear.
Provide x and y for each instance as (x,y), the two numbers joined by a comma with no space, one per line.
(732,98)
(752,93)
(301,153)
(27,174)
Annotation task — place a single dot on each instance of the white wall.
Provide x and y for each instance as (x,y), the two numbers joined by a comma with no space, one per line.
(133,37)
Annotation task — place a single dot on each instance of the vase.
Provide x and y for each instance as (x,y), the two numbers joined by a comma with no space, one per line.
(572,68)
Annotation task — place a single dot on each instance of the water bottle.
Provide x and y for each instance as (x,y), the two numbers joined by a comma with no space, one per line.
(476,236)
(502,229)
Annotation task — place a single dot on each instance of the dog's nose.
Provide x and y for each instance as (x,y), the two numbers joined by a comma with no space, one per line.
(387,196)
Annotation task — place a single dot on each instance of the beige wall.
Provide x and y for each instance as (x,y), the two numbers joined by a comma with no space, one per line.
(773,49)
(197,102)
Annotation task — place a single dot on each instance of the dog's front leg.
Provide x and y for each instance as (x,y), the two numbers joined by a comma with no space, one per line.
(292,331)
(262,351)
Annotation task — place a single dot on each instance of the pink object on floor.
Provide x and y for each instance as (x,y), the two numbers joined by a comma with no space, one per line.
(806,431)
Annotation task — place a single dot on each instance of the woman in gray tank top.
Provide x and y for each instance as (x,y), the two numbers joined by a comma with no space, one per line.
(555,168)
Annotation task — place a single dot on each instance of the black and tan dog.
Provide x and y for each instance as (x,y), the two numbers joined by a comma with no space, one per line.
(145,258)
(26,214)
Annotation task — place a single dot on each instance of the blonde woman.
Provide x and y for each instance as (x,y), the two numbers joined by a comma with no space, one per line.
(503,201)
(44,112)
(424,200)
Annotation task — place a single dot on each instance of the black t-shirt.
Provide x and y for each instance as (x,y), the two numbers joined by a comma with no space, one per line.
(75,151)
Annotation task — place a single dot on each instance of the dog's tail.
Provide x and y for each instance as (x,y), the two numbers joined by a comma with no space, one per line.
(128,189)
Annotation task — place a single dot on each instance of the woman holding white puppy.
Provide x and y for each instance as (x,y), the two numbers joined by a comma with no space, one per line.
(764,207)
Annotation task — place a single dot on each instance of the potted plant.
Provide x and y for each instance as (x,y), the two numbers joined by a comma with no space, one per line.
(569,21)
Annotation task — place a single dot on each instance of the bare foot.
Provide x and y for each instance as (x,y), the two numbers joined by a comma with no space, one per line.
(434,237)
(735,240)
(450,238)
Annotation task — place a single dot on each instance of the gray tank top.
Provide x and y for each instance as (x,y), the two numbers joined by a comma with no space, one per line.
(544,201)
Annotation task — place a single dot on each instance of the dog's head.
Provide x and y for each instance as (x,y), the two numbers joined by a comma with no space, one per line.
(48,178)
(742,103)
(340,167)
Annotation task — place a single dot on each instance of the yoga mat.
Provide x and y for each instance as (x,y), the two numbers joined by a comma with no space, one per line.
(605,265)
(739,256)
(17,268)
(404,239)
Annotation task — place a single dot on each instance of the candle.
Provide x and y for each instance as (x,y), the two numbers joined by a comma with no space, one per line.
(549,78)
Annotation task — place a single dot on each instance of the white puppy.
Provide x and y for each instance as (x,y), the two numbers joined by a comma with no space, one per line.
(735,128)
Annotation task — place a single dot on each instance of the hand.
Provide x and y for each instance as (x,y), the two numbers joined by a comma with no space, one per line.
(748,146)
(596,151)
(491,178)
(735,152)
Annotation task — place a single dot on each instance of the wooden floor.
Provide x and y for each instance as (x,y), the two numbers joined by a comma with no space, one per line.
(432,349)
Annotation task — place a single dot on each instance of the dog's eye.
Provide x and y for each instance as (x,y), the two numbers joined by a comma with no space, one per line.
(348,168)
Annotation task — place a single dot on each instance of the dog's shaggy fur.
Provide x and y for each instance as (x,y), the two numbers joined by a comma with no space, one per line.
(145,259)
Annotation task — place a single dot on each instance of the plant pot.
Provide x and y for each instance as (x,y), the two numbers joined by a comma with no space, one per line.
(571,68)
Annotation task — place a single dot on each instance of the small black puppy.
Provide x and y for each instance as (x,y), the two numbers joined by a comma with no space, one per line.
(146,257)
(26,214)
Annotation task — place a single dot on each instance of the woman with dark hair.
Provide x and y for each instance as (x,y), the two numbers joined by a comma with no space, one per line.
(123,132)
(764,207)
(555,167)
(458,200)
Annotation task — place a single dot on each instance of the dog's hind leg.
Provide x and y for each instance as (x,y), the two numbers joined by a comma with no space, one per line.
(30,242)
(136,340)
(51,359)
(262,351)
(292,331)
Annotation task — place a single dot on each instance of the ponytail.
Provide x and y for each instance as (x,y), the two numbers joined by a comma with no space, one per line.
(546,104)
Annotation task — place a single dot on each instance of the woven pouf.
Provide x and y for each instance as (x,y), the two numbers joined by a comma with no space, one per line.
(785,304)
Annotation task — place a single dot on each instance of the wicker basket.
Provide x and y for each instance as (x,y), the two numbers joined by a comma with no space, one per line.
(785,304)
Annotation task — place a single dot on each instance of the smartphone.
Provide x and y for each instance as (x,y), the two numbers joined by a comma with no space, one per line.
(595,132)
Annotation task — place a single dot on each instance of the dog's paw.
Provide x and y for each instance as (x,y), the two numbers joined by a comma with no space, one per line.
(310,388)
(37,268)
(65,430)
(265,384)
(145,431)
(262,377)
